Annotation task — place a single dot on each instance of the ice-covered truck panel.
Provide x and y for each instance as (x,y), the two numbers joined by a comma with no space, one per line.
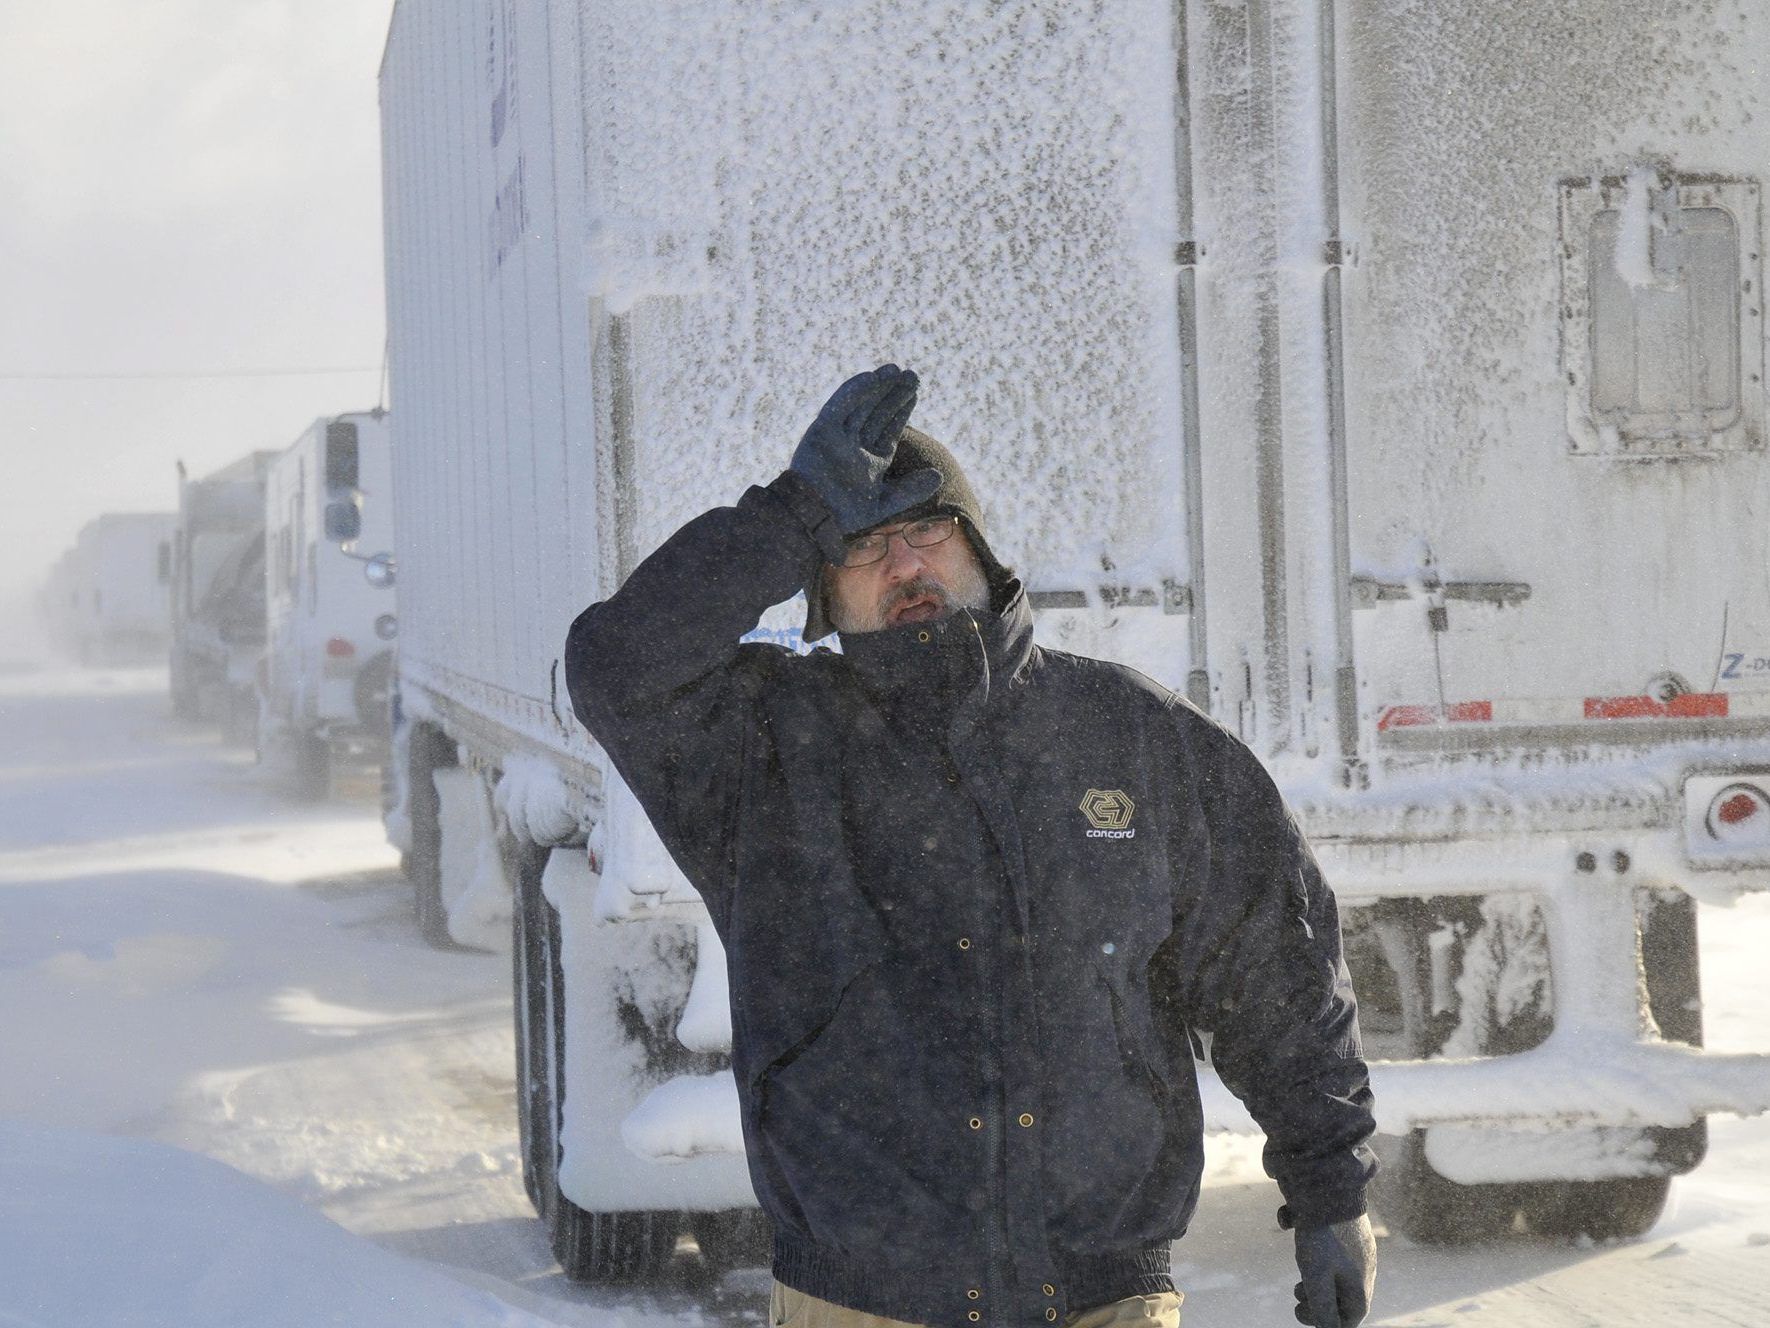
(1557,382)
(620,213)
(492,427)
(493,439)
(767,211)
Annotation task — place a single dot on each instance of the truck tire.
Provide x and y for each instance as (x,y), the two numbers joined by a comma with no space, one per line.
(186,704)
(1388,956)
(1428,1209)
(1419,1202)
(593,1248)
(532,1007)
(310,774)
(611,1249)
(1416,1201)
(430,751)
(736,1238)
(371,695)
(1618,1209)
(239,716)
(1625,1207)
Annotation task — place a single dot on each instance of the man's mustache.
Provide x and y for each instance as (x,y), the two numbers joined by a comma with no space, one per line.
(916,588)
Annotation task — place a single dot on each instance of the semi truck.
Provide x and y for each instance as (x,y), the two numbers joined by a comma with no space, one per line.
(218,594)
(325,676)
(108,597)
(1386,379)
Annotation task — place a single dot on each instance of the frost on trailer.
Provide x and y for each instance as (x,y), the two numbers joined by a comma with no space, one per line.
(1386,378)
(107,600)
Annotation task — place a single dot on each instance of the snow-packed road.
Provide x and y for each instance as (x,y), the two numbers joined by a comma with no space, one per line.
(186,957)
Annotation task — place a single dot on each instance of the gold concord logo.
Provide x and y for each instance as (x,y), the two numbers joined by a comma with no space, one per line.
(1109,812)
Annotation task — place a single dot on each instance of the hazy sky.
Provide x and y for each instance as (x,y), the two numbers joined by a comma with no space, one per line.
(186,186)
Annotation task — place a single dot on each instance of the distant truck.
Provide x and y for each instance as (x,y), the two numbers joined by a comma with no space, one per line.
(109,596)
(218,594)
(327,667)
(1388,383)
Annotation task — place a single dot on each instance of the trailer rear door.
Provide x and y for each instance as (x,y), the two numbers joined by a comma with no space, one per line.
(1558,475)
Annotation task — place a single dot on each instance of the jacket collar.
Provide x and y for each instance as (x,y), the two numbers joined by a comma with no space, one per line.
(956,660)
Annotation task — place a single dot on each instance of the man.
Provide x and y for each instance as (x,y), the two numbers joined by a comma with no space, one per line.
(975,897)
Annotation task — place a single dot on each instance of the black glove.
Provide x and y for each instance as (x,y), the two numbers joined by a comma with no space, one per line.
(845,453)
(1339,1268)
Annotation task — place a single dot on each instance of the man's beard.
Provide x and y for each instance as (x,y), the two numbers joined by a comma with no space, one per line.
(922,597)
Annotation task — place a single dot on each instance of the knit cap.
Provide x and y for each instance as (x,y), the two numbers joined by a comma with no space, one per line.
(917,451)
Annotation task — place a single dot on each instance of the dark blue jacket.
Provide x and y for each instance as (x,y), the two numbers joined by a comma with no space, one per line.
(973,895)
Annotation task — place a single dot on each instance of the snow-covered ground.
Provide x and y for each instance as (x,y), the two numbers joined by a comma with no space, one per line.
(188,962)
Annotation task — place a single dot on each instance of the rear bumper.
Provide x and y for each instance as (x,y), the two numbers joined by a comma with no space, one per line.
(1570,1082)
(1619,1085)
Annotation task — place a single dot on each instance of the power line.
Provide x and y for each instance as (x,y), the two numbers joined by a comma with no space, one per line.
(185,374)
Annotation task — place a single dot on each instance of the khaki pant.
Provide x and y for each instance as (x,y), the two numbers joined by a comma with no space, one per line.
(788,1308)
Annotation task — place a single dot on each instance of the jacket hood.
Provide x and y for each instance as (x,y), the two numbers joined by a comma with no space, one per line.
(916,452)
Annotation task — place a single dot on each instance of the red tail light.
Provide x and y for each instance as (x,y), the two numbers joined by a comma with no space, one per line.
(1736,809)
(1739,816)
(339,648)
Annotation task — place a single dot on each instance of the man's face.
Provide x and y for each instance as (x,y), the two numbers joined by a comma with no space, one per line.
(908,584)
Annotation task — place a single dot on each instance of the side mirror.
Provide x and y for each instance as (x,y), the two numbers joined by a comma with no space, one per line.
(344,522)
(378,571)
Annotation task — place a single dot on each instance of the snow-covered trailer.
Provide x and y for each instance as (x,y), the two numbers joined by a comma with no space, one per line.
(58,599)
(62,602)
(1386,377)
(110,593)
(218,593)
(327,666)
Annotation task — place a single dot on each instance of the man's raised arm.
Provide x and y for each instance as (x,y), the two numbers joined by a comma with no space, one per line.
(677,619)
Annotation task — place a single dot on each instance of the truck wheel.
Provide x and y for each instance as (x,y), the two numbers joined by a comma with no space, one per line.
(389,799)
(310,777)
(737,1238)
(371,695)
(528,950)
(596,1248)
(185,702)
(1616,1209)
(239,717)
(1391,944)
(1389,954)
(1418,1202)
(611,1248)
(430,750)
(1625,1207)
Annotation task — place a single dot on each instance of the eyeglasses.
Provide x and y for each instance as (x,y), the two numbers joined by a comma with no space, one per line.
(872,546)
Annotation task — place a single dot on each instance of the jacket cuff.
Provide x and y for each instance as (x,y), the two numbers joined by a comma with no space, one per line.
(1321,1210)
(807,506)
